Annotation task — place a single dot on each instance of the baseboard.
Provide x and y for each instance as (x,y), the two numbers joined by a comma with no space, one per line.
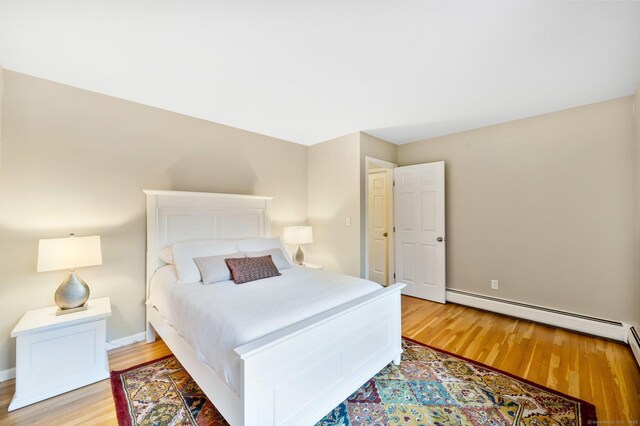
(634,342)
(7,374)
(571,321)
(125,341)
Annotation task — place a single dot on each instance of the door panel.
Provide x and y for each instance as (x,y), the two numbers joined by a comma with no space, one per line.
(407,272)
(428,264)
(378,212)
(379,256)
(427,209)
(407,211)
(419,212)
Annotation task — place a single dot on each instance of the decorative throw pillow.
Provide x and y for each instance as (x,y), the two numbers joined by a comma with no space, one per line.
(214,268)
(247,269)
(277,256)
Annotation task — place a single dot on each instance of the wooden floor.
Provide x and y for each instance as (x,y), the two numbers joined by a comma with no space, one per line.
(596,370)
(599,371)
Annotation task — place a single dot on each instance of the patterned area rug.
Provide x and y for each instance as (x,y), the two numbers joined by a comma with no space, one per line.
(429,387)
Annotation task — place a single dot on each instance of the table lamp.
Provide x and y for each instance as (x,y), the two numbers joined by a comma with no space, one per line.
(298,235)
(70,253)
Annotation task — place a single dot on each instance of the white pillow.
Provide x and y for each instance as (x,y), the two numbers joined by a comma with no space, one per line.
(263,244)
(184,252)
(214,268)
(166,255)
(279,259)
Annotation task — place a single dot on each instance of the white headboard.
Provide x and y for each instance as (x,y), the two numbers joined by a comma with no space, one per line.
(177,216)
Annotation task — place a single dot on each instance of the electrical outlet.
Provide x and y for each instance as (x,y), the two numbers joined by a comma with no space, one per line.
(494,284)
(347,221)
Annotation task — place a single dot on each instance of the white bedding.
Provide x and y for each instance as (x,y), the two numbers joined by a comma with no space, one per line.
(217,318)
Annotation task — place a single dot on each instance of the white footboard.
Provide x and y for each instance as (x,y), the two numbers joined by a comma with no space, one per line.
(298,374)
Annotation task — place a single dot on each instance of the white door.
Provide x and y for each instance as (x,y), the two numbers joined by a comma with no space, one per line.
(378,223)
(419,230)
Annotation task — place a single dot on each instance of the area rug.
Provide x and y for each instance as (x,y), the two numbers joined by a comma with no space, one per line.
(429,387)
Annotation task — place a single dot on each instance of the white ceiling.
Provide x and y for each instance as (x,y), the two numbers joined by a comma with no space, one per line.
(308,71)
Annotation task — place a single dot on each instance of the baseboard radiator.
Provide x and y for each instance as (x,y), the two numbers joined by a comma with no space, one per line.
(576,322)
(634,342)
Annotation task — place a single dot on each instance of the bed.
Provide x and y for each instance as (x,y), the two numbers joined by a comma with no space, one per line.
(316,345)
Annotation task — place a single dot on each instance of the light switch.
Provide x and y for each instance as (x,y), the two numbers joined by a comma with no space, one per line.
(348,221)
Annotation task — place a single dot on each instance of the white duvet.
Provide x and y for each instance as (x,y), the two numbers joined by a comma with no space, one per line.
(217,318)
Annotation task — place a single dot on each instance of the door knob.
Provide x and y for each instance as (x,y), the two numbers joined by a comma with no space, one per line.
(440,239)
(385,234)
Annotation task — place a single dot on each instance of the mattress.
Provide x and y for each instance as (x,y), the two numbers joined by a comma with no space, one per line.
(217,318)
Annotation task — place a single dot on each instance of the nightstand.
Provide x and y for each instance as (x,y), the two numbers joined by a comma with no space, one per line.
(312,266)
(56,354)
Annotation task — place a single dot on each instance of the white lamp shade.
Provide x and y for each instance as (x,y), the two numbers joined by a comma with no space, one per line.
(69,253)
(298,235)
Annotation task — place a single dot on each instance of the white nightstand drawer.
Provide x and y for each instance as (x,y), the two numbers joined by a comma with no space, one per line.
(56,354)
(61,358)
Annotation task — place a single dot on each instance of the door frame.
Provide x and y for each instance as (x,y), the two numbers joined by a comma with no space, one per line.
(392,260)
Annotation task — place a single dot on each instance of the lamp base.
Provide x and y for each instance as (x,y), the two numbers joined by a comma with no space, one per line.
(72,293)
(298,257)
(70,311)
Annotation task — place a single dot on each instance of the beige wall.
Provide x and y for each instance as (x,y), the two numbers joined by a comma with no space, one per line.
(370,146)
(337,185)
(77,161)
(334,196)
(545,205)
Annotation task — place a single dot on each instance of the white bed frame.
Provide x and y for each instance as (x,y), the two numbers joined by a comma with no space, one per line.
(296,375)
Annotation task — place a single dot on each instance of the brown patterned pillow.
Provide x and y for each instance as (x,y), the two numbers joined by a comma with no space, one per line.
(247,269)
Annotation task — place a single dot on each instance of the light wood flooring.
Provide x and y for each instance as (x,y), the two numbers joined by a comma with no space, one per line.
(599,371)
